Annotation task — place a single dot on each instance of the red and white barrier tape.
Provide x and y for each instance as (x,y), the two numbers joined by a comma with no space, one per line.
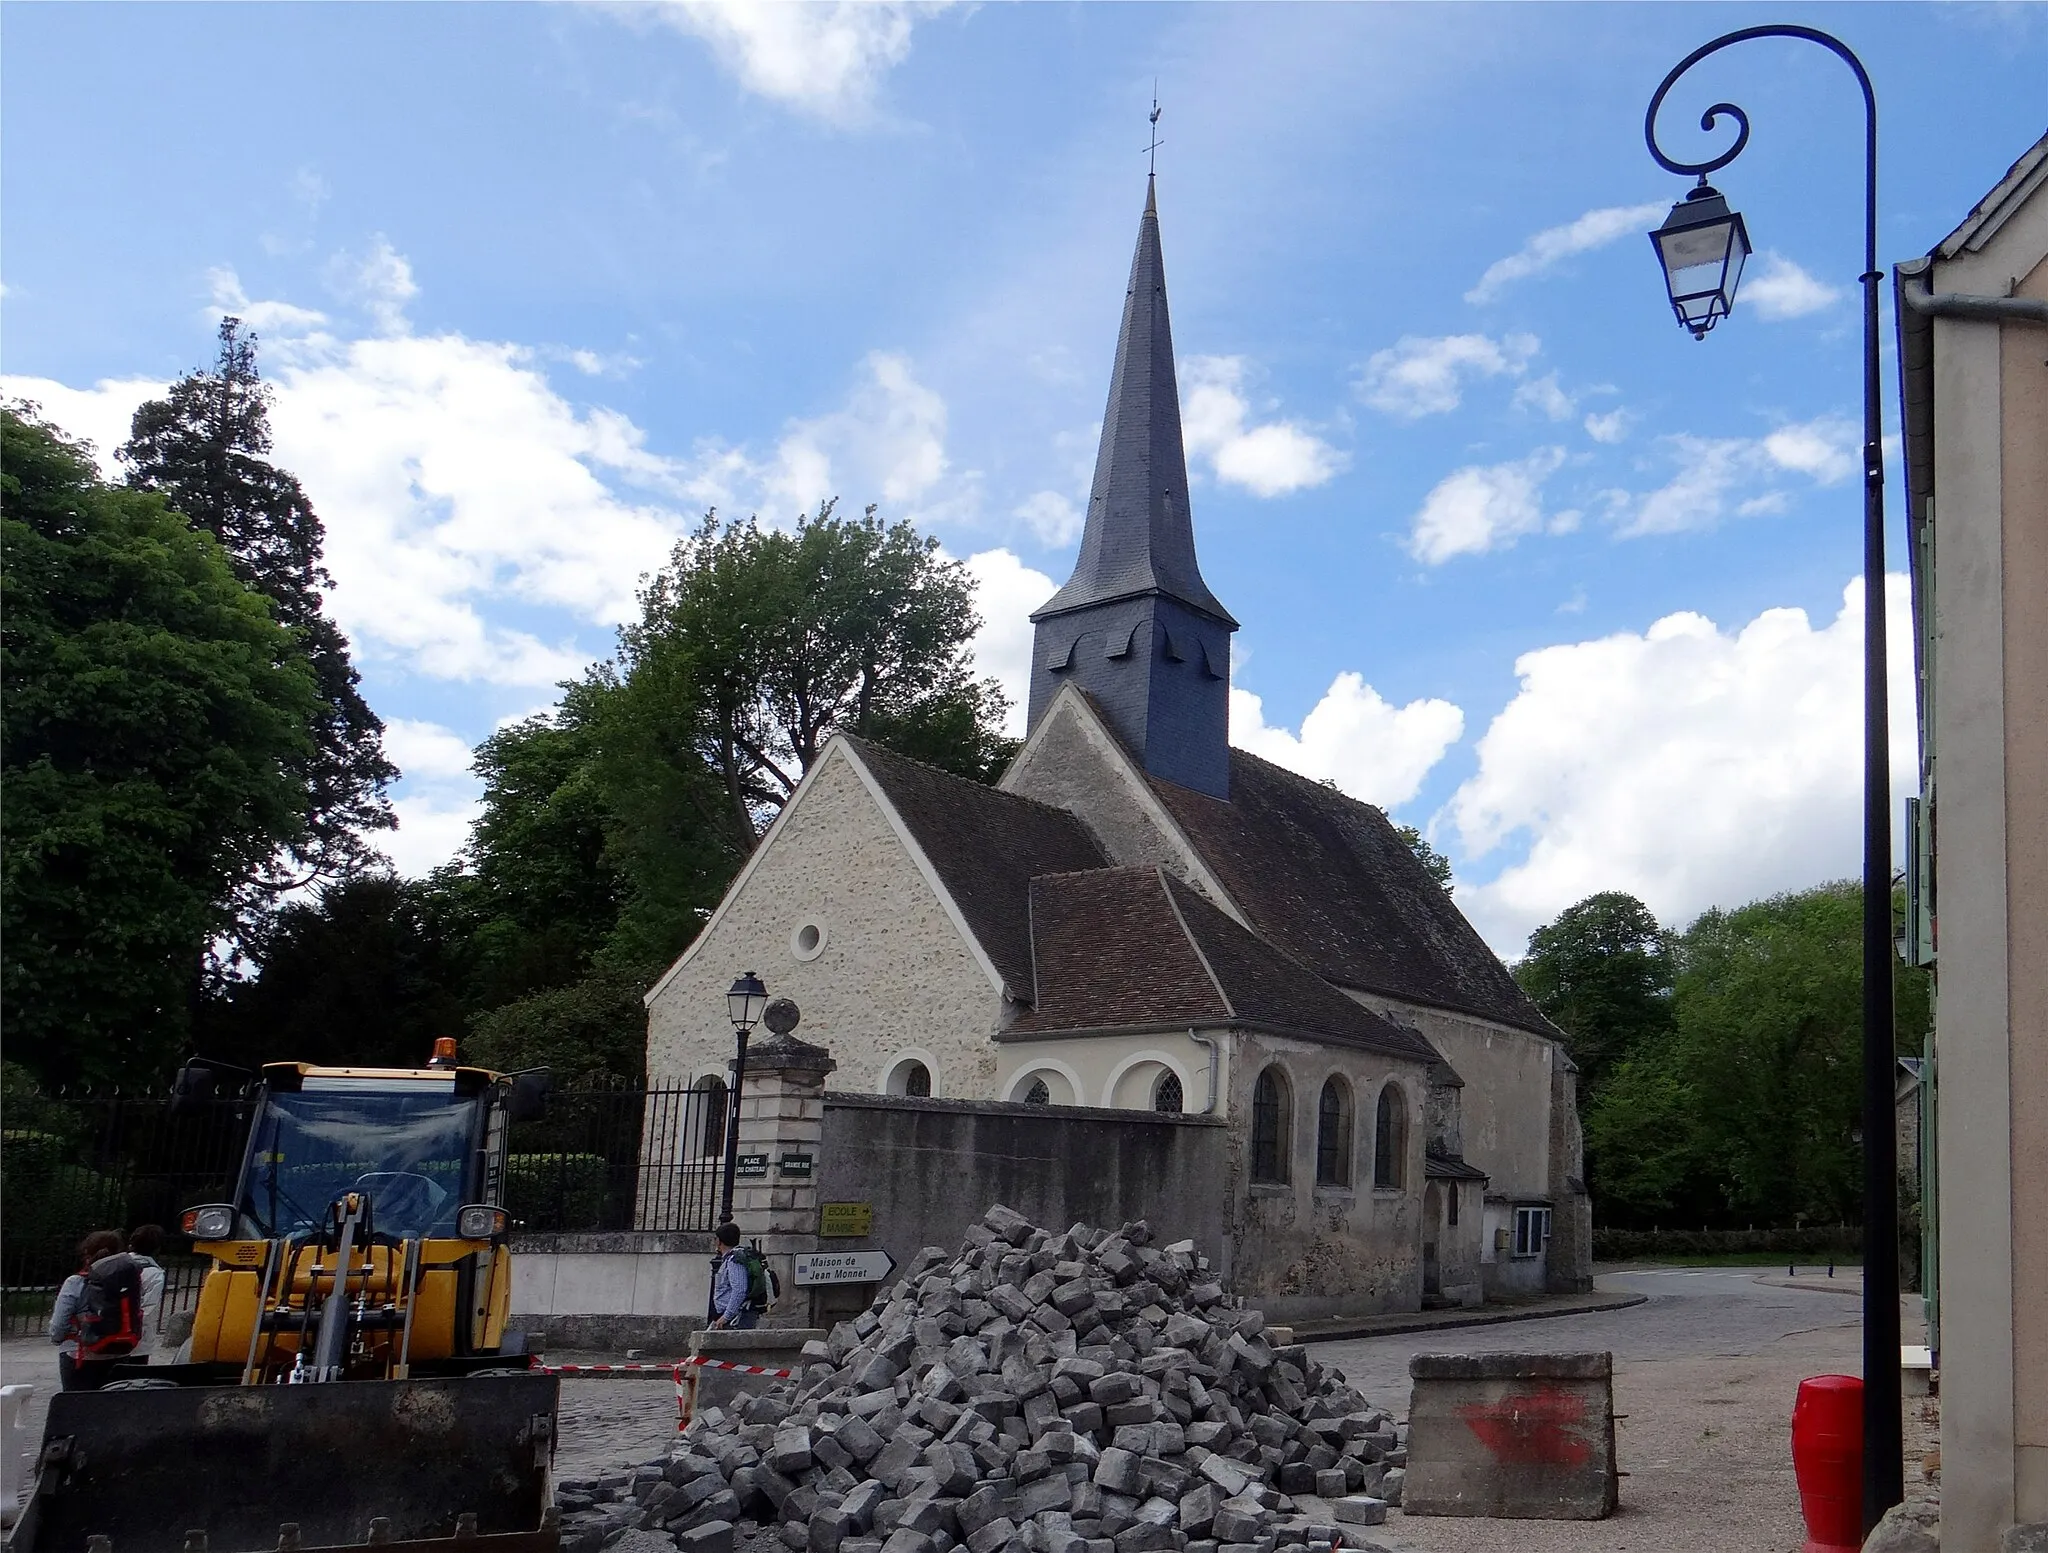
(604,1369)
(744,1369)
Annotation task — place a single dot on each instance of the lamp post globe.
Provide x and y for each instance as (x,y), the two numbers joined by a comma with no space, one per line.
(746,1002)
(1702,246)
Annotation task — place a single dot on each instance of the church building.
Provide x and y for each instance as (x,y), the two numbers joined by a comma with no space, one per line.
(1141,917)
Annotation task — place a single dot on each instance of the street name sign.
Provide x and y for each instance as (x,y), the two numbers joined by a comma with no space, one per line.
(816,1267)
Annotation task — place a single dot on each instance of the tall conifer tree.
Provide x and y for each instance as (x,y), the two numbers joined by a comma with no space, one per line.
(202,448)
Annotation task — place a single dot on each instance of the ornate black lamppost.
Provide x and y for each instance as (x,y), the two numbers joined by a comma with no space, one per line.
(1701,247)
(744,1005)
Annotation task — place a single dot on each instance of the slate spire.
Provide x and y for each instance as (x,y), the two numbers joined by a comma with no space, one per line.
(1139,538)
(1136,625)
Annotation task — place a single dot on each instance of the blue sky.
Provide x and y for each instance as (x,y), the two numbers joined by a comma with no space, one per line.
(1513,555)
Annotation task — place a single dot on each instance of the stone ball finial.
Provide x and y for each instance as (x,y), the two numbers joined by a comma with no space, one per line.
(783,1016)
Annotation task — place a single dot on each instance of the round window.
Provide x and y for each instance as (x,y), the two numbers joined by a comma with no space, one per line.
(808,941)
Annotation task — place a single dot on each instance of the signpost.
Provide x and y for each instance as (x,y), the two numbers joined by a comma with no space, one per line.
(825,1267)
(846,1220)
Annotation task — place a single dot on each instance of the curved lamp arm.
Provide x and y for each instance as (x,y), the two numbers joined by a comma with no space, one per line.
(1719,110)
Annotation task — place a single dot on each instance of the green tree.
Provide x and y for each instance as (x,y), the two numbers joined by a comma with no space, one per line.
(1749,1108)
(836,625)
(155,725)
(365,971)
(1434,862)
(1602,974)
(202,448)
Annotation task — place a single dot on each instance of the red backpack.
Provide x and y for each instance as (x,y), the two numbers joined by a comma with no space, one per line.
(109,1320)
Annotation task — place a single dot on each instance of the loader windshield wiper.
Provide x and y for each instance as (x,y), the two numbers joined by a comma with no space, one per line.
(407,1147)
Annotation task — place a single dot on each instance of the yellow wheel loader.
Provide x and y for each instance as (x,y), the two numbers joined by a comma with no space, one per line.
(350,1378)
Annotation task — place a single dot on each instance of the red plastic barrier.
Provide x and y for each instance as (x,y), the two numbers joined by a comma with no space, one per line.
(1827,1457)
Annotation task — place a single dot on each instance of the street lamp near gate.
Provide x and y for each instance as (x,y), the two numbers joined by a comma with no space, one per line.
(744,1006)
(1701,248)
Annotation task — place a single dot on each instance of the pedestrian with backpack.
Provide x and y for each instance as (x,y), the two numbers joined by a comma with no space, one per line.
(739,1282)
(144,1242)
(98,1317)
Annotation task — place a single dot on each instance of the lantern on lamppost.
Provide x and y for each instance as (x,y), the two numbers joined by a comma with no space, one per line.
(1702,245)
(745,1004)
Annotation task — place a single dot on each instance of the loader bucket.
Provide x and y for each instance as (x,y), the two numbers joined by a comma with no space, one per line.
(145,1468)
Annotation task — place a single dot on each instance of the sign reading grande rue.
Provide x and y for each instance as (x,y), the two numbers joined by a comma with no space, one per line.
(816,1267)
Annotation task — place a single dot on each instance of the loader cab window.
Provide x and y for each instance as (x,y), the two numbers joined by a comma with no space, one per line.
(409,1145)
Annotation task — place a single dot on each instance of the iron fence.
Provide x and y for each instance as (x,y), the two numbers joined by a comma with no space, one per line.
(603,1159)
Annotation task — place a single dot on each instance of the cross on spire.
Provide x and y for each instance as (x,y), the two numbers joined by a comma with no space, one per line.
(1152,151)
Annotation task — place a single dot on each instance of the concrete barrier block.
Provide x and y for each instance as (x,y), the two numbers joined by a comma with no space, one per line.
(1514,1436)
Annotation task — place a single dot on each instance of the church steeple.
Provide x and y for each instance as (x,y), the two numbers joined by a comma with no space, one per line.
(1136,625)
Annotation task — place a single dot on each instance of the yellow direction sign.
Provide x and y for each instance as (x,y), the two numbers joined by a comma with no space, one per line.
(847,1220)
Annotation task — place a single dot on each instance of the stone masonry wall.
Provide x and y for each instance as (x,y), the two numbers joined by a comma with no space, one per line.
(1301,1250)
(890,977)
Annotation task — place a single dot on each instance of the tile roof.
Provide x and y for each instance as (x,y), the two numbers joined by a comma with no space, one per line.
(987,846)
(1124,947)
(1328,879)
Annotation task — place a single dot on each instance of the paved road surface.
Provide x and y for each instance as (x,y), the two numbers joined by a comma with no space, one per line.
(1705,1374)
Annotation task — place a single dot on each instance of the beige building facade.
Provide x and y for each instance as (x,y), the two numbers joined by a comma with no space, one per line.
(1974,363)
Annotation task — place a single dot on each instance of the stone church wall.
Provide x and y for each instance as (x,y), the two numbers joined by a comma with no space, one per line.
(932,1167)
(1300,1249)
(889,976)
(1068,768)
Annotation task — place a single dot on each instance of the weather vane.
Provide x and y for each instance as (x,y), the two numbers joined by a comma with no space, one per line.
(1152,150)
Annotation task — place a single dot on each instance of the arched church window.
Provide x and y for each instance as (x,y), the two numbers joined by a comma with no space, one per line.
(917,1080)
(1038,1094)
(1390,1138)
(1269,1126)
(1333,1134)
(1167,1097)
(707,1126)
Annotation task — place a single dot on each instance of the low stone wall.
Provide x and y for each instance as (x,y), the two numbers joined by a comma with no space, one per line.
(930,1168)
(1515,1436)
(610,1292)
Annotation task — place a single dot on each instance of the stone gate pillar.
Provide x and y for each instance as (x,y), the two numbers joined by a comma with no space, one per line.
(781,1128)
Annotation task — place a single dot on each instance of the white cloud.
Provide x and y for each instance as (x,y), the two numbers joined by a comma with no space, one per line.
(100,414)
(825,60)
(1005,593)
(380,282)
(1419,376)
(1825,449)
(1054,520)
(604,363)
(1687,765)
(431,830)
(1784,290)
(1354,737)
(1551,247)
(1713,474)
(1275,459)
(1481,507)
(1610,427)
(266,318)
(887,444)
(1544,396)
(425,751)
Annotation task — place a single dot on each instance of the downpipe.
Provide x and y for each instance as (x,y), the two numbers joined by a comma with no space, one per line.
(1215,1050)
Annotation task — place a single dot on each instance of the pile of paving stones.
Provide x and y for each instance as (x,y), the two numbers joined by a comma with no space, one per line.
(1085,1392)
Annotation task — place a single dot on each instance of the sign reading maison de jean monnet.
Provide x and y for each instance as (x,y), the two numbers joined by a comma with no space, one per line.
(846,1220)
(815,1267)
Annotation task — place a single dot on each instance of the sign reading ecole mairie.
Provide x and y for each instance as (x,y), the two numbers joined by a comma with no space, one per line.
(816,1267)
